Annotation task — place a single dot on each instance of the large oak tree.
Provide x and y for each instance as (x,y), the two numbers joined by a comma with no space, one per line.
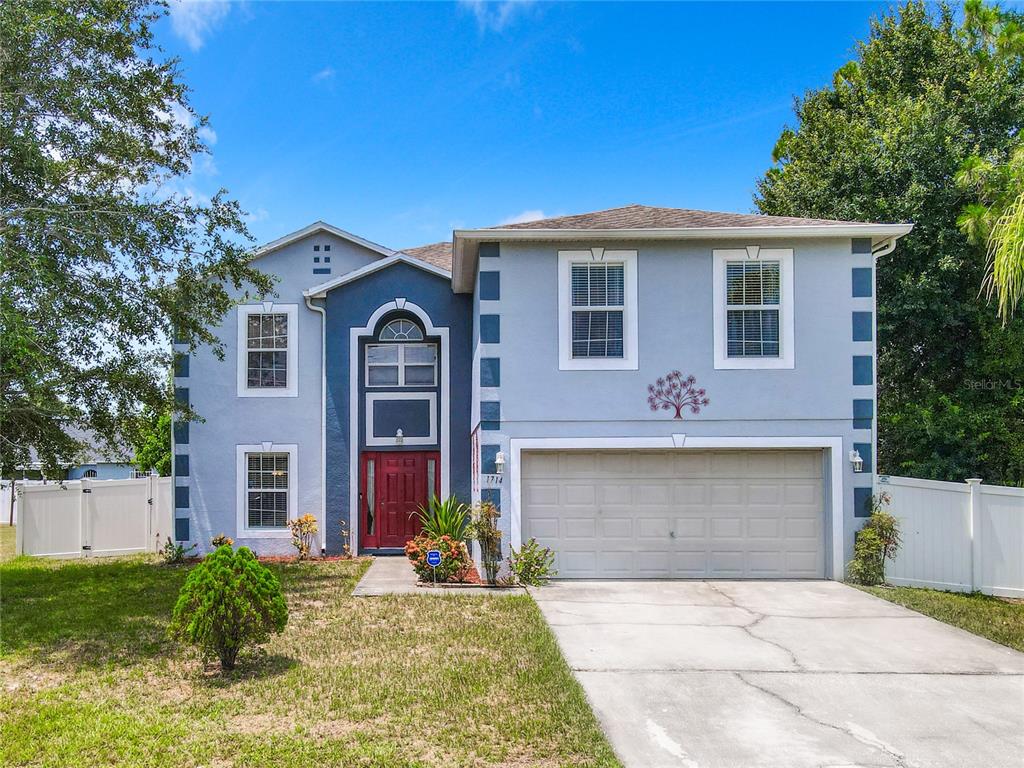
(884,142)
(104,250)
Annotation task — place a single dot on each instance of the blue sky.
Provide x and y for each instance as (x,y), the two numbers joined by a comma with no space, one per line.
(400,122)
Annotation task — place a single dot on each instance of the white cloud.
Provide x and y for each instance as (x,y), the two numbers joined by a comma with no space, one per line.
(207,134)
(534,214)
(496,16)
(194,20)
(327,73)
(260,214)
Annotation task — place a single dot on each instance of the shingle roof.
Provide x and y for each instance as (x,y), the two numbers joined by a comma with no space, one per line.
(438,254)
(649,217)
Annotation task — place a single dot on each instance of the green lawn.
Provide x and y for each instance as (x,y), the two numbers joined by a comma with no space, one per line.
(89,678)
(991,617)
(7,534)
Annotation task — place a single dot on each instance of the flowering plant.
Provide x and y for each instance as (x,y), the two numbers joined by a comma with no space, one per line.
(454,558)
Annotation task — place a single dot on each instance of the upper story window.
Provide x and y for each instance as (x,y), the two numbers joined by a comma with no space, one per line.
(267,350)
(404,361)
(597,297)
(753,308)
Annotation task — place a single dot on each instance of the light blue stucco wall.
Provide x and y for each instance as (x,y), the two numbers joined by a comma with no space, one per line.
(675,321)
(230,420)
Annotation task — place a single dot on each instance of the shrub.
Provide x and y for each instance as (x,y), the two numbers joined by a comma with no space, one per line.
(483,526)
(303,531)
(878,541)
(531,565)
(229,601)
(455,560)
(444,518)
(174,554)
(222,540)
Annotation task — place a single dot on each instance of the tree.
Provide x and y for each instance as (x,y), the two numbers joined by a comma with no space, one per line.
(103,252)
(884,143)
(153,446)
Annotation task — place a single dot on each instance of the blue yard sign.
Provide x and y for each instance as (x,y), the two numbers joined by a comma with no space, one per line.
(434,558)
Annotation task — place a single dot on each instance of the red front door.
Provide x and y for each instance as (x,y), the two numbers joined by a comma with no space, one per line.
(393,485)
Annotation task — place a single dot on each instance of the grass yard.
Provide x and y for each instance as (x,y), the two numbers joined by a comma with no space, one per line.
(7,541)
(999,620)
(89,678)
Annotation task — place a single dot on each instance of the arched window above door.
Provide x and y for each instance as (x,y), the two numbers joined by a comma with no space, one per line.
(401,330)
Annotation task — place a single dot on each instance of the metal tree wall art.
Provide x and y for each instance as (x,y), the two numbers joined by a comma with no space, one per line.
(674,391)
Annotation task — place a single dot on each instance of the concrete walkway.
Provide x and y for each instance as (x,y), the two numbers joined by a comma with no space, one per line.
(393,575)
(784,675)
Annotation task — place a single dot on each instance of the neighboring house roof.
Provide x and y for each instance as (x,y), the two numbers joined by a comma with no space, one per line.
(92,452)
(650,217)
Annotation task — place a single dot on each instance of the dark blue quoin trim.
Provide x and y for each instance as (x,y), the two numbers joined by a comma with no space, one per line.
(861,245)
(490,250)
(181,465)
(181,529)
(490,416)
(862,372)
(488,454)
(862,326)
(861,282)
(181,365)
(492,496)
(181,433)
(490,372)
(181,497)
(181,395)
(861,497)
(490,329)
(864,449)
(863,413)
(490,286)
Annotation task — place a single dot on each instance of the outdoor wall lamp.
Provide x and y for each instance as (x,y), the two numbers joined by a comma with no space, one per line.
(399,437)
(856,461)
(499,463)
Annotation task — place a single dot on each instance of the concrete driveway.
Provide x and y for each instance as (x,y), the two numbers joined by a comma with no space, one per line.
(785,674)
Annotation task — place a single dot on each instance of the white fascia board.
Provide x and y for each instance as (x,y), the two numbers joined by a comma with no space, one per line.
(464,270)
(320,291)
(320,226)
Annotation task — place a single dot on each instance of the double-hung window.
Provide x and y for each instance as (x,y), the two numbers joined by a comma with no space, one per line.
(597,310)
(267,480)
(267,350)
(753,311)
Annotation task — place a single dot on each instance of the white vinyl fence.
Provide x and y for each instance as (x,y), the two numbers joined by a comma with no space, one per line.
(83,518)
(963,537)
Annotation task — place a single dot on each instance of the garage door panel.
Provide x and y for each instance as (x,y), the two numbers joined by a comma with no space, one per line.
(672,514)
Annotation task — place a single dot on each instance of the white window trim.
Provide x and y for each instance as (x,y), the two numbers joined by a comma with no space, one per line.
(266,308)
(401,363)
(374,397)
(786,359)
(630,360)
(242,489)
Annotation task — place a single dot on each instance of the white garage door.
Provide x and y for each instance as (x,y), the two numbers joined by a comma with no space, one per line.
(678,514)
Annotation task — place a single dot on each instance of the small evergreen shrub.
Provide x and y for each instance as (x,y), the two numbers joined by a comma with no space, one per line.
(455,560)
(229,601)
(878,541)
(444,518)
(174,554)
(483,526)
(221,540)
(304,529)
(531,565)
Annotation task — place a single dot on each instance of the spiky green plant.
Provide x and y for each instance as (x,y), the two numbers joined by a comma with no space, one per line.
(444,518)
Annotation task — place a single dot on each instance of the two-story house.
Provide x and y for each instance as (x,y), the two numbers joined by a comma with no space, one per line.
(651,392)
